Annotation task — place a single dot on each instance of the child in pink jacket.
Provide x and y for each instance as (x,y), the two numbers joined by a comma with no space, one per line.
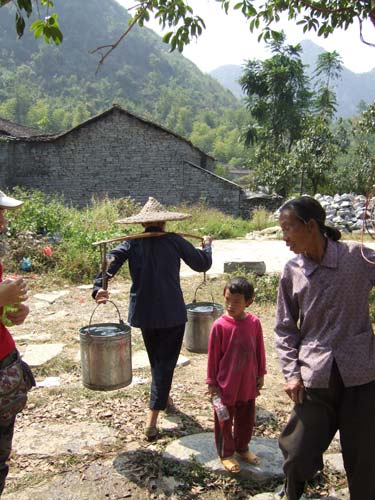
(235,372)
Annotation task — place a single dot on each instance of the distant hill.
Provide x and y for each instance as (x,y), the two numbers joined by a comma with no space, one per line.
(351,89)
(141,74)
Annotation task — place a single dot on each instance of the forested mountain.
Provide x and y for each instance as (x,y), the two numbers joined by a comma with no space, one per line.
(58,87)
(351,88)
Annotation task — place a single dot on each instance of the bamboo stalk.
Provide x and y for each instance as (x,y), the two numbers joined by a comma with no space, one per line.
(103,253)
(146,235)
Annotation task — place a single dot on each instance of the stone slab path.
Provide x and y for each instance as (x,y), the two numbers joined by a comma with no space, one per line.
(78,439)
(38,354)
(202,447)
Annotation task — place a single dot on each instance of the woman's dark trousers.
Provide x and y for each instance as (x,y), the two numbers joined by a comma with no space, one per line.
(163,347)
(312,426)
(6,436)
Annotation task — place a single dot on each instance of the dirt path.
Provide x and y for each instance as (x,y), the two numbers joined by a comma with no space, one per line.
(123,411)
(273,252)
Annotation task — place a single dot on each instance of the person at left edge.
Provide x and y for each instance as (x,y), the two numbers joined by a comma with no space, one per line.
(11,292)
(156,304)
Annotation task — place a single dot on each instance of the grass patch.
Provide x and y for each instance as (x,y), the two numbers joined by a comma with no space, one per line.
(56,366)
(54,237)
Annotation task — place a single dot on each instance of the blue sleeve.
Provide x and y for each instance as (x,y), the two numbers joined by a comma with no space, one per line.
(115,258)
(197,259)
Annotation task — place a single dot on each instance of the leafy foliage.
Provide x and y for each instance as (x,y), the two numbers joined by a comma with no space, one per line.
(328,69)
(355,170)
(322,17)
(55,88)
(277,94)
(314,154)
(292,141)
(278,98)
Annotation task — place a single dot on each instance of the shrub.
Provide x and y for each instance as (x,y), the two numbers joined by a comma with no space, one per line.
(46,220)
(207,220)
(261,218)
(265,287)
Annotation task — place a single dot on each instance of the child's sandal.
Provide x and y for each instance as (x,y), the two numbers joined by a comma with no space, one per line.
(231,465)
(249,457)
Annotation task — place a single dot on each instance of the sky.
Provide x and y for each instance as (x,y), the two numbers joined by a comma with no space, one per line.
(227,40)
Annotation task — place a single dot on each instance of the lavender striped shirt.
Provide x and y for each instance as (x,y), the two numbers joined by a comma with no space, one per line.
(323,314)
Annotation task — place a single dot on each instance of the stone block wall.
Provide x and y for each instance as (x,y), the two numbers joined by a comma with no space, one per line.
(200,185)
(116,154)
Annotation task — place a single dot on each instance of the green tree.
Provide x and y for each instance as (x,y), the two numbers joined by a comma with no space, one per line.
(272,170)
(355,172)
(278,99)
(277,95)
(315,153)
(320,16)
(328,69)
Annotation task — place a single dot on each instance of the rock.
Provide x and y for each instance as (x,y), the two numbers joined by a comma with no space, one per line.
(345,212)
(202,447)
(335,461)
(38,354)
(264,416)
(169,484)
(62,438)
(97,481)
(50,297)
(258,268)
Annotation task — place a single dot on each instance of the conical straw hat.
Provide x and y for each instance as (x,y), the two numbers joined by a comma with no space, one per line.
(153,211)
(9,202)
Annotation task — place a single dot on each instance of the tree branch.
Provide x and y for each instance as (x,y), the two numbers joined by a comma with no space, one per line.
(323,10)
(361,35)
(115,44)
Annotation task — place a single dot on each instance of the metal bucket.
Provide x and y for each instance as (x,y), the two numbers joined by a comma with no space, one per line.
(200,316)
(106,359)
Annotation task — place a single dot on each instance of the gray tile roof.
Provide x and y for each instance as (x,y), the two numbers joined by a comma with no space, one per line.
(11,129)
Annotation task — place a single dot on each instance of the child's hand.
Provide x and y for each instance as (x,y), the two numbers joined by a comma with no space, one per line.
(18,317)
(12,291)
(212,390)
(260,382)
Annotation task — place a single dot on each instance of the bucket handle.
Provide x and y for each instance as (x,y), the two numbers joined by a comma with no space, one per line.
(95,308)
(204,283)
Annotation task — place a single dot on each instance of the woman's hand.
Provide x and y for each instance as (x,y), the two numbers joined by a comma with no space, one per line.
(18,317)
(206,240)
(12,291)
(295,390)
(102,296)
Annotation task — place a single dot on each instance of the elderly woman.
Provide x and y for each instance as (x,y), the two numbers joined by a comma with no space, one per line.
(326,346)
(156,303)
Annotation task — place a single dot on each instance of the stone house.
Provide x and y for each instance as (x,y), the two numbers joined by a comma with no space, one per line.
(117,154)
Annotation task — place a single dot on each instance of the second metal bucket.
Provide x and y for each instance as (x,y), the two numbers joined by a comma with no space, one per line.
(106,355)
(200,316)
